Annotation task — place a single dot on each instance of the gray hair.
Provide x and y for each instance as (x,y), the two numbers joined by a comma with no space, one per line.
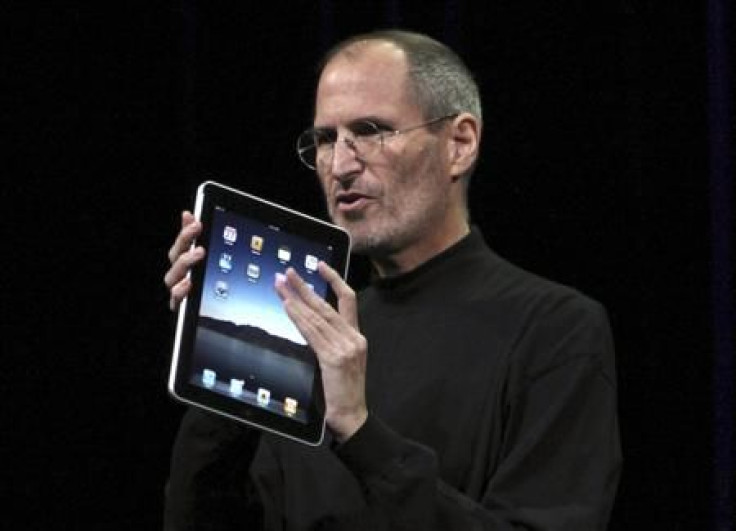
(439,80)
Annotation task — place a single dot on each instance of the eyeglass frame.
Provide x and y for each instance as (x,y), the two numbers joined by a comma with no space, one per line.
(350,142)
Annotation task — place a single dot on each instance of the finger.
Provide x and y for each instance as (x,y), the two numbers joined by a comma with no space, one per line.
(190,229)
(346,300)
(300,286)
(292,289)
(318,321)
(179,292)
(317,304)
(346,315)
(299,299)
(296,308)
(182,265)
(321,334)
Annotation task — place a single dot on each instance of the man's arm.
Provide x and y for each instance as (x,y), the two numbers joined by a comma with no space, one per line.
(209,486)
(559,469)
(561,457)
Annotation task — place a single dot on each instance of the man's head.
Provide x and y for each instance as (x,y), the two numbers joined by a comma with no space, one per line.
(439,81)
(401,193)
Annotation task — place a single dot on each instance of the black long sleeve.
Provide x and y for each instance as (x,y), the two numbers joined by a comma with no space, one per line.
(558,460)
(208,486)
(492,406)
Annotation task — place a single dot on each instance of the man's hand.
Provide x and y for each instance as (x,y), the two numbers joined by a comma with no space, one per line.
(337,342)
(182,259)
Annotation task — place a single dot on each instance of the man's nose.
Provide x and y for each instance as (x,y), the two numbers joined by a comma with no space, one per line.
(345,159)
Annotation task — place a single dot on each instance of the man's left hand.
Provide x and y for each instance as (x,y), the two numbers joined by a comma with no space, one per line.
(336,340)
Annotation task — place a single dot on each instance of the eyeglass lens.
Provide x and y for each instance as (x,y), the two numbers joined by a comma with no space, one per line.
(315,146)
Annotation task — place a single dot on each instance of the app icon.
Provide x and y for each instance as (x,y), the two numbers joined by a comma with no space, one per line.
(290,406)
(253,271)
(230,234)
(208,378)
(284,253)
(310,262)
(263,396)
(226,262)
(256,243)
(221,289)
(236,387)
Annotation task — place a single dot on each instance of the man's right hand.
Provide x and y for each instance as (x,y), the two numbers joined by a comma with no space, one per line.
(182,258)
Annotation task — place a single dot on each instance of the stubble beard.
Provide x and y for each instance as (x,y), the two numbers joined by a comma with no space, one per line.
(380,235)
(372,238)
(393,227)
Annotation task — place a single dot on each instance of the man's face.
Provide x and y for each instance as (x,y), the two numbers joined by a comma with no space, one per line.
(396,197)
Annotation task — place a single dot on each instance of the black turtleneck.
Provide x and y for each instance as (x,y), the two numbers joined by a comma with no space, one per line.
(492,405)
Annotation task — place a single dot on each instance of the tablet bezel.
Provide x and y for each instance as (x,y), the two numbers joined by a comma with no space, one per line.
(210,196)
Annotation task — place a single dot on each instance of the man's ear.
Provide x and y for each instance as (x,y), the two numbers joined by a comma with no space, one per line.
(463,142)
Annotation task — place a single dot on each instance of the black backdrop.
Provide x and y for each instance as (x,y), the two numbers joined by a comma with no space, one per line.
(594,173)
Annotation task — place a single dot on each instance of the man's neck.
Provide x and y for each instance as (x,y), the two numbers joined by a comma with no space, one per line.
(415,255)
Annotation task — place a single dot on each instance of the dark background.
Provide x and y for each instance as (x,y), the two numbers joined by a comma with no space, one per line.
(594,172)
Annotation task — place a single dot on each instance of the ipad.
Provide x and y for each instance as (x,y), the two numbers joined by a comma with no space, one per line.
(236,352)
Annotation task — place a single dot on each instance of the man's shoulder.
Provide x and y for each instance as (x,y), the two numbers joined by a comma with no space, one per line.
(557,323)
(474,280)
(501,281)
(539,312)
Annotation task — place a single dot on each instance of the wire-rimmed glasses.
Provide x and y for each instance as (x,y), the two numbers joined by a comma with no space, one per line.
(316,145)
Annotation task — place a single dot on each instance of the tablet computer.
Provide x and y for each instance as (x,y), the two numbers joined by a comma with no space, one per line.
(236,352)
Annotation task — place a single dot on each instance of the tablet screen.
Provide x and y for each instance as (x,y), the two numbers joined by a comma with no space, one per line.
(237,352)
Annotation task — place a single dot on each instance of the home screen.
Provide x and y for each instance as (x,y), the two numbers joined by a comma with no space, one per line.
(246,347)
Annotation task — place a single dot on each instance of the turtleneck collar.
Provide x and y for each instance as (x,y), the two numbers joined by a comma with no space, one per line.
(469,245)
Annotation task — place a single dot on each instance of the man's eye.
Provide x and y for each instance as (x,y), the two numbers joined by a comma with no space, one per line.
(324,137)
(364,129)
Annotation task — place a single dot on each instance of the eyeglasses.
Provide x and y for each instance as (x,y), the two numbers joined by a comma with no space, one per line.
(316,145)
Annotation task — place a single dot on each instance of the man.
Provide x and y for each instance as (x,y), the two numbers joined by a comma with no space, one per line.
(461,392)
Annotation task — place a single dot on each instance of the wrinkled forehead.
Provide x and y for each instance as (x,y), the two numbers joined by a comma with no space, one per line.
(367,74)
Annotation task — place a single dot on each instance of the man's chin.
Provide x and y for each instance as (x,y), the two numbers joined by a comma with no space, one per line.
(349,216)
(366,242)
(349,221)
(365,237)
